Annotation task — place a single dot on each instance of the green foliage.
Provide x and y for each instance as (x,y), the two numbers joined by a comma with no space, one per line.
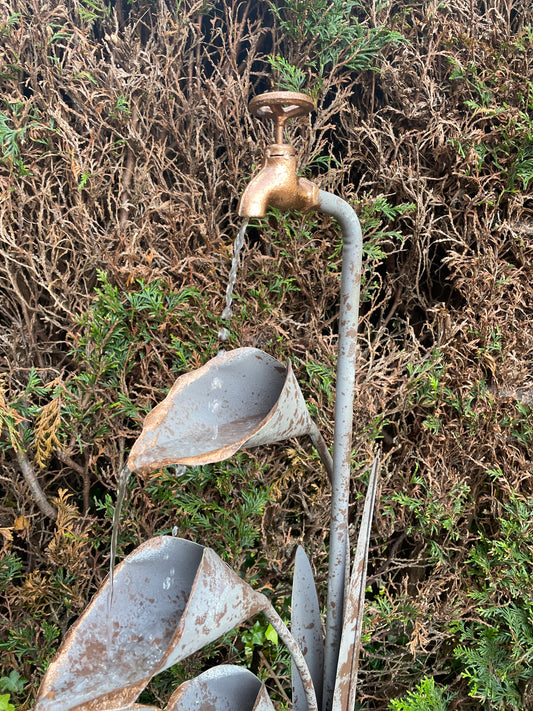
(261,634)
(34,643)
(222,502)
(378,217)
(5,705)
(91,10)
(497,655)
(290,78)
(503,563)
(122,108)
(116,334)
(375,216)
(496,651)
(10,570)
(13,683)
(510,147)
(12,136)
(432,516)
(430,388)
(18,122)
(336,32)
(427,697)
(121,323)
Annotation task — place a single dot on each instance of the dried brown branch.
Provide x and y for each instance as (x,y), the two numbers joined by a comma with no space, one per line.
(36,491)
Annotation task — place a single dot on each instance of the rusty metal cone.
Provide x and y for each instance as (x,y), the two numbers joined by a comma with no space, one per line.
(223,688)
(240,398)
(129,707)
(170,598)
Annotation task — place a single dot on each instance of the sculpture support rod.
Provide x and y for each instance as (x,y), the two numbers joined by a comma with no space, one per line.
(297,656)
(352,250)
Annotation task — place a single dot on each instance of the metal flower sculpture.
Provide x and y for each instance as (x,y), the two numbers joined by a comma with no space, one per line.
(170,597)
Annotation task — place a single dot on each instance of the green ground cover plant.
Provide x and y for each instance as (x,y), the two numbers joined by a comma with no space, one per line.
(125,142)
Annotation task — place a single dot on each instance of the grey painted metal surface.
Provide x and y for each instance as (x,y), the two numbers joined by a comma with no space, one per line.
(171,597)
(352,250)
(224,688)
(240,398)
(346,678)
(306,628)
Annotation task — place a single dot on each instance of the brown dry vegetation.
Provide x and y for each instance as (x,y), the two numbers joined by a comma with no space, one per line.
(125,144)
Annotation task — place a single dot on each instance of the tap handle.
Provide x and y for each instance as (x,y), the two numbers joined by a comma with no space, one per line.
(278,106)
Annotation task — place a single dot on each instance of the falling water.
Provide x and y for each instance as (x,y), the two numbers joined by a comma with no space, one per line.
(227,313)
(214,404)
(121,493)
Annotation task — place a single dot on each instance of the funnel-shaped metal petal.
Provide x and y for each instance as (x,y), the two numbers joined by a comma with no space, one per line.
(241,398)
(170,597)
(129,707)
(223,688)
(219,600)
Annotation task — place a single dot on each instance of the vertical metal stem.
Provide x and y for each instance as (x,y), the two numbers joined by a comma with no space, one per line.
(337,208)
(346,682)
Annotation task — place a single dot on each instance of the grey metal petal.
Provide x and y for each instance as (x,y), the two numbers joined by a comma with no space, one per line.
(111,652)
(219,601)
(241,398)
(223,688)
(170,597)
(130,707)
(346,680)
(306,628)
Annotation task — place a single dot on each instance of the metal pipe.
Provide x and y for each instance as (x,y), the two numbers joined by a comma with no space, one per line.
(280,188)
(321,447)
(352,252)
(296,655)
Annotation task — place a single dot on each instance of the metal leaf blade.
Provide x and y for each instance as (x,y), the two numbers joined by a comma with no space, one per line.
(306,628)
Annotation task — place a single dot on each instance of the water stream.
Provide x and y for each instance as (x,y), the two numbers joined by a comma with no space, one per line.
(214,407)
(121,493)
(227,313)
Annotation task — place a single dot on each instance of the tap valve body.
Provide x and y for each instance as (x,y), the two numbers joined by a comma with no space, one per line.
(276,184)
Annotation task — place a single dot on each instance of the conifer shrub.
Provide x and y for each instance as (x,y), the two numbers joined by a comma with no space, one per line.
(125,142)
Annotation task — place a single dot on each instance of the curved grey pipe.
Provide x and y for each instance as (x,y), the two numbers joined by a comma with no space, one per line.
(352,253)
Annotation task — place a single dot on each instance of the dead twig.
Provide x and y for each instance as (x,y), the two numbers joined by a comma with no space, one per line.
(31,479)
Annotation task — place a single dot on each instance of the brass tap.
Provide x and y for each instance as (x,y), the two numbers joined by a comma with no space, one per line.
(276,184)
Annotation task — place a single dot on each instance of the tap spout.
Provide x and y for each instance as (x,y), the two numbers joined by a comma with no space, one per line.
(277,185)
